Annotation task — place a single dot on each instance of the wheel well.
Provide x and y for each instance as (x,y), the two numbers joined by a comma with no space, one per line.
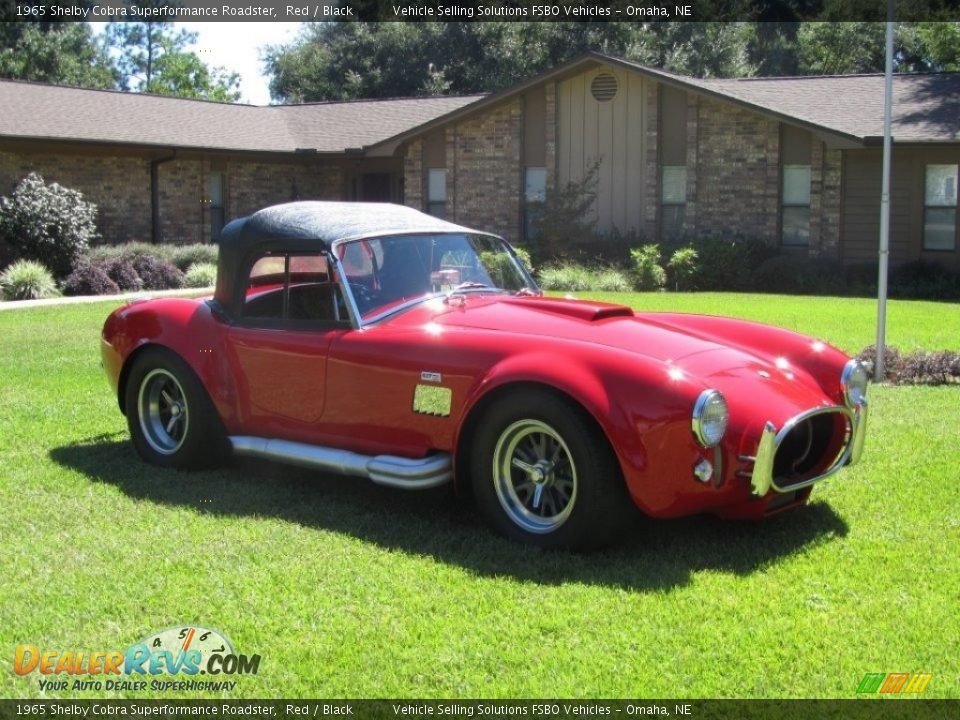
(468,429)
(125,372)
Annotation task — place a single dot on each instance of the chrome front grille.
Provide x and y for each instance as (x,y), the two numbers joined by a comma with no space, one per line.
(809,447)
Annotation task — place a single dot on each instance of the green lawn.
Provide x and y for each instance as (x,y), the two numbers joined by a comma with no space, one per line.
(346,589)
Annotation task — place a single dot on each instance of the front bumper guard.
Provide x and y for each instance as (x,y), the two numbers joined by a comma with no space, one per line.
(762,479)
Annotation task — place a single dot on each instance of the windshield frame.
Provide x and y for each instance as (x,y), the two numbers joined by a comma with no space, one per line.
(359,322)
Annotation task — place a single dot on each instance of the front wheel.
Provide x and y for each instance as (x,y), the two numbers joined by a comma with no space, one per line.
(544,474)
(171,419)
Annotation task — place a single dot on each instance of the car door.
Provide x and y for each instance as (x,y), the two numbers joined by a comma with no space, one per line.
(278,347)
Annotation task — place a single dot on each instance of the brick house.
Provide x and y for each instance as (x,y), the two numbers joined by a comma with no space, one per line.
(795,161)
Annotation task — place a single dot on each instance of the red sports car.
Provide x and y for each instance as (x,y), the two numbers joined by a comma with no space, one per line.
(373,340)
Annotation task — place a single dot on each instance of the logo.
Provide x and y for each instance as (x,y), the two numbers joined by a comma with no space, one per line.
(894,683)
(184,651)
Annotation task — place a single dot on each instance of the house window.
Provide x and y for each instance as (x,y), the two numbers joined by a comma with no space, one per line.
(673,201)
(795,206)
(534,195)
(940,208)
(437,192)
(215,184)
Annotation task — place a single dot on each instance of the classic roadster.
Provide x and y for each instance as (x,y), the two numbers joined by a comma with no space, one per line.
(372,340)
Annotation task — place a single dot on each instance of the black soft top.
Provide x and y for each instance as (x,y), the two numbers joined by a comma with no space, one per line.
(311,226)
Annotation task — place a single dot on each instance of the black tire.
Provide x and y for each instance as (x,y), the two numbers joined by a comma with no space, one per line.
(543,440)
(172,421)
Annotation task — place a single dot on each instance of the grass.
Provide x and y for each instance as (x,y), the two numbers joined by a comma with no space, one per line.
(350,590)
(848,323)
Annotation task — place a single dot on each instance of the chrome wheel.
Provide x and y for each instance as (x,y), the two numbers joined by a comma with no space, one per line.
(534,476)
(163,411)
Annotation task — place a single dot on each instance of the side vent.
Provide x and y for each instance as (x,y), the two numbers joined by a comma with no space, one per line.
(604,87)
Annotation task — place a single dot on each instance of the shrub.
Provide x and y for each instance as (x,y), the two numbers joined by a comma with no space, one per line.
(524,257)
(122,273)
(27,280)
(800,275)
(185,256)
(930,368)
(917,368)
(47,223)
(87,279)
(201,275)
(681,268)
(610,279)
(924,280)
(892,360)
(647,272)
(157,274)
(565,218)
(576,277)
(568,276)
(729,264)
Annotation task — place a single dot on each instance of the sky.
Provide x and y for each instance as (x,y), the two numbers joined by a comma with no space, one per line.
(237,46)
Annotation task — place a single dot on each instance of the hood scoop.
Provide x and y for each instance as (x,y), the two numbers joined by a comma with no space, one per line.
(579,309)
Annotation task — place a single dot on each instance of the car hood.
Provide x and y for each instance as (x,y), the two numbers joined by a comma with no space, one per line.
(616,326)
(716,358)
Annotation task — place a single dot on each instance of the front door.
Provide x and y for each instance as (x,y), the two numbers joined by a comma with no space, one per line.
(279,346)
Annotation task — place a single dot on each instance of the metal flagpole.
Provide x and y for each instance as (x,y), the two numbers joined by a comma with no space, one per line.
(879,369)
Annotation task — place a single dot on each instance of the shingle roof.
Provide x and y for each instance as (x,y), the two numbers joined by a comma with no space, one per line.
(926,107)
(38,111)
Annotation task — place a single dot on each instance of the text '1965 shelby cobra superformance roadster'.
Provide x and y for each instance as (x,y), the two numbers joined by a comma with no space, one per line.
(375,341)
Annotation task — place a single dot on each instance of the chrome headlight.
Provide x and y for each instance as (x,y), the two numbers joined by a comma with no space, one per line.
(853,382)
(710,415)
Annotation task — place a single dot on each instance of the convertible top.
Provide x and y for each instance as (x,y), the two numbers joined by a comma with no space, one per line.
(309,226)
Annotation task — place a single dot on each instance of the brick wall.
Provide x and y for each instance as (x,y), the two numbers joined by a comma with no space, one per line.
(483,161)
(413,175)
(483,171)
(737,183)
(251,186)
(119,186)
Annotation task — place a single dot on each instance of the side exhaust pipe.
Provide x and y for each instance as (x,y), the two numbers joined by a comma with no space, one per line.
(389,470)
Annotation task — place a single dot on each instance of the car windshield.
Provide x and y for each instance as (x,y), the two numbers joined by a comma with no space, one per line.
(389,273)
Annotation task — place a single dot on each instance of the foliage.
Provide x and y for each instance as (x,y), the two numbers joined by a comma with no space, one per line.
(122,273)
(681,268)
(342,61)
(524,257)
(728,263)
(48,223)
(201,275)
(648,274)
(576,277)
(157,274)
(566,216)
(185,256)
(27,280)
(153,57)
(89,279)
(921,367)
(800,275)
(58,53)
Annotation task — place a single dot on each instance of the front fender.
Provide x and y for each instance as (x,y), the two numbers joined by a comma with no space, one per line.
(643,411)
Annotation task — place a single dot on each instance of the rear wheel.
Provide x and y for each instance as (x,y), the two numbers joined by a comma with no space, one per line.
(171,419)
(544,474)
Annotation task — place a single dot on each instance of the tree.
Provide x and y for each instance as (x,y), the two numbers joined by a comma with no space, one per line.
(58,53)
(340,61)
(152,57)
